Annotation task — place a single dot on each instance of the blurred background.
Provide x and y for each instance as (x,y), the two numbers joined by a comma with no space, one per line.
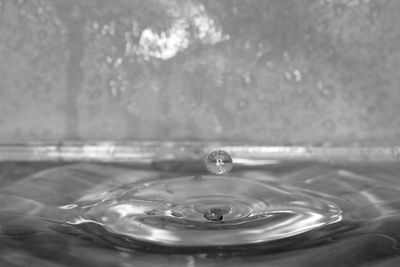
(271,72)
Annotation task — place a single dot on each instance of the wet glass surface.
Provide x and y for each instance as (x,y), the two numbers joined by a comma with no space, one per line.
(94,214)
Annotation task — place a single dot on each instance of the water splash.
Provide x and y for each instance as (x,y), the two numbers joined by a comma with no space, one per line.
(206,211)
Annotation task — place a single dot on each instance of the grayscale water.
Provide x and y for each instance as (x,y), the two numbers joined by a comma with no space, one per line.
(284,214)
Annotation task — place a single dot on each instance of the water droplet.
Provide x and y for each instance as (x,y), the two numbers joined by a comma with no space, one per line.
(219,162)
(297,74)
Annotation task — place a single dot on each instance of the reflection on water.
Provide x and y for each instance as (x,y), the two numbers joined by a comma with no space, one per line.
(282,215)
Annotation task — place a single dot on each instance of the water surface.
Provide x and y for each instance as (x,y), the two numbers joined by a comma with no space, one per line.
(117,215)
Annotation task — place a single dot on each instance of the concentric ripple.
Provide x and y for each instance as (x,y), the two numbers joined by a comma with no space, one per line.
(196,211)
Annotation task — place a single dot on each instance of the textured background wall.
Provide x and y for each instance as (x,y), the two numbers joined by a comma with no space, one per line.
(276,72)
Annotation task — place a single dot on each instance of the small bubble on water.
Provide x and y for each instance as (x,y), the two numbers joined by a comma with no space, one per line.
(219,162)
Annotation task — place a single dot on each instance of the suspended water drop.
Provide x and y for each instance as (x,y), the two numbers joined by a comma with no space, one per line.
(219,162)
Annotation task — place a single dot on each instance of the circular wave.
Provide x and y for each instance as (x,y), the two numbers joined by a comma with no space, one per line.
(201,211)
